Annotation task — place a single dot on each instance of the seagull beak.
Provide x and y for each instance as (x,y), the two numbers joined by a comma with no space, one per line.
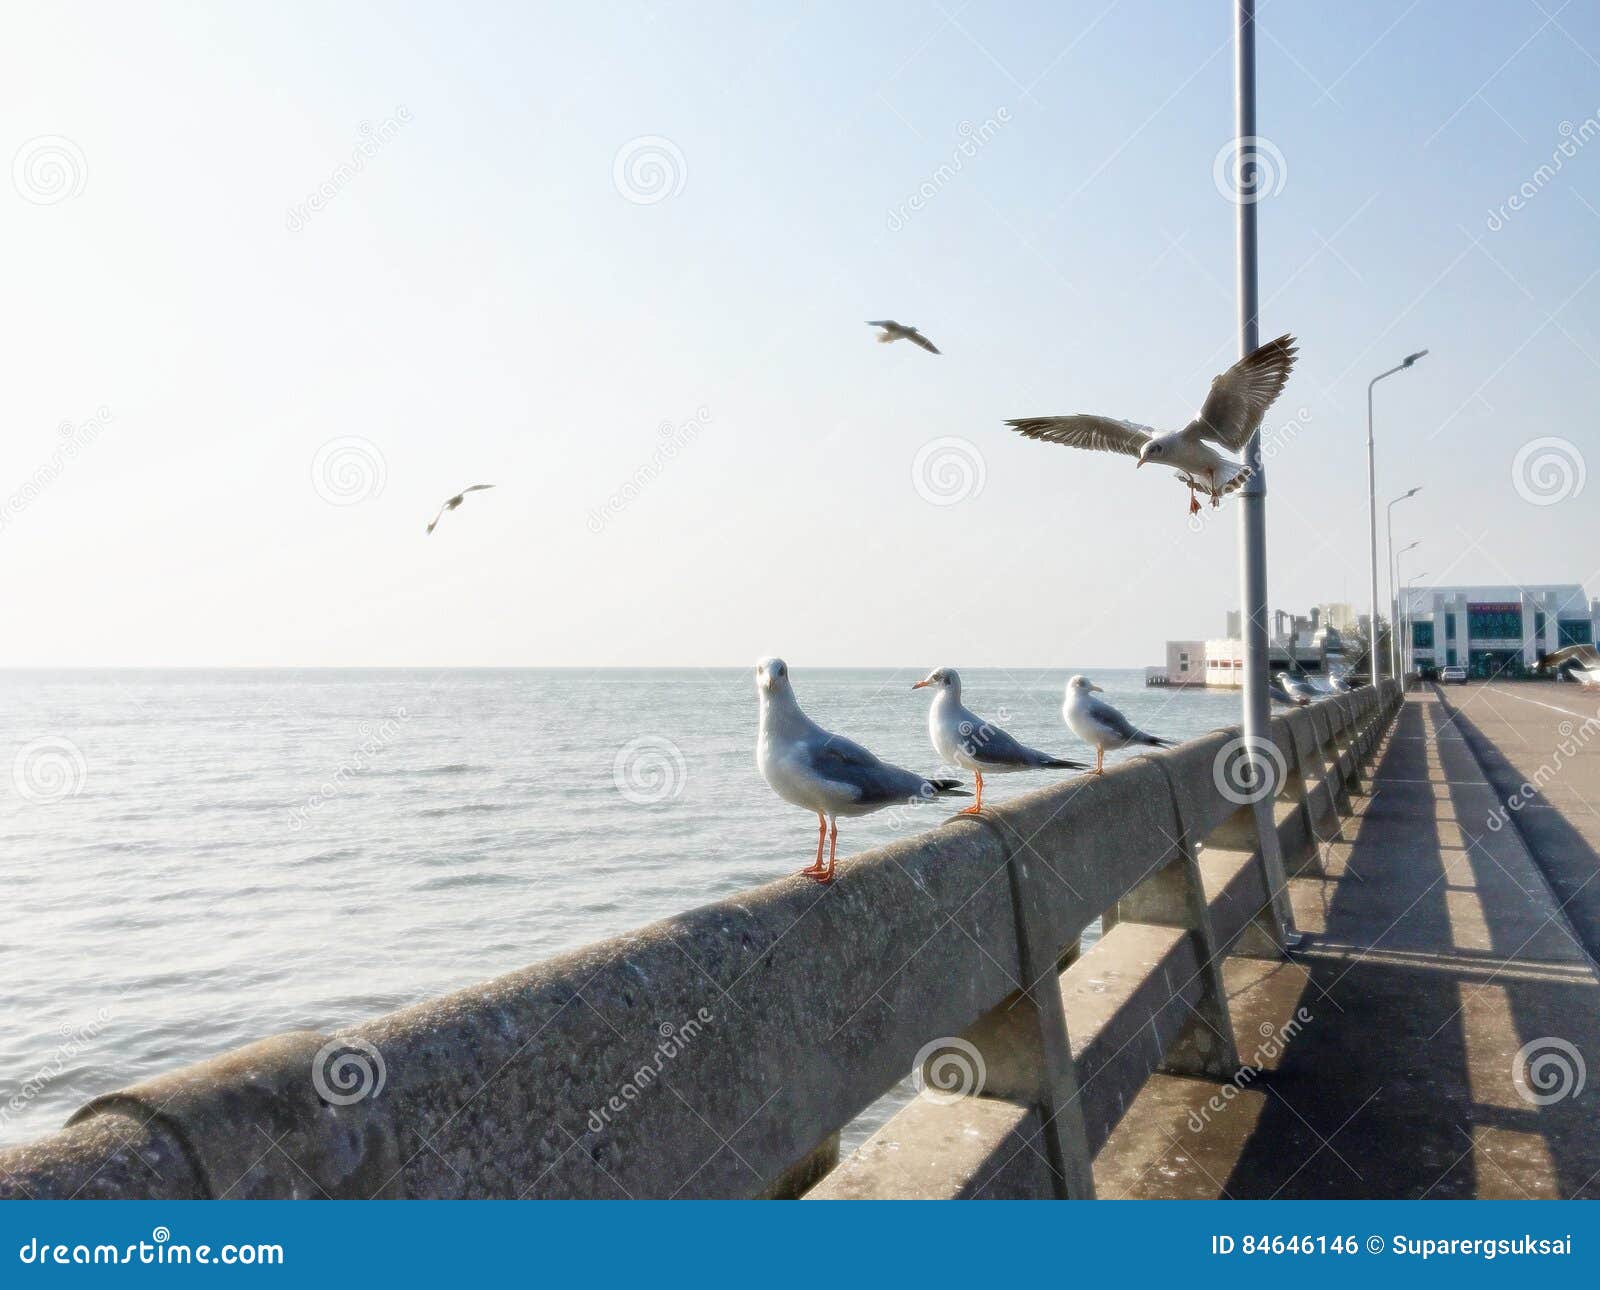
(917,685)
(1096,689)
(1139,463)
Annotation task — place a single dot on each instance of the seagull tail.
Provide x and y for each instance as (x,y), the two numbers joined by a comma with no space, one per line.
(1155,741)
(949,787)
(1238,481)
(1063,763)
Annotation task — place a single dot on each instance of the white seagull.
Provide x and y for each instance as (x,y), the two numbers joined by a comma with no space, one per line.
(1096,722)
(450,503)
(1298,688)
(1232,412)
(963,738)
(823,772)
(893,331)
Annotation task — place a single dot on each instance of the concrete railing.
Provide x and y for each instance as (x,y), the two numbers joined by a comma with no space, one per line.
(721,1052)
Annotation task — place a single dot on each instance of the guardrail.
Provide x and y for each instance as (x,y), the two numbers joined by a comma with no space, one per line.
(721,1052)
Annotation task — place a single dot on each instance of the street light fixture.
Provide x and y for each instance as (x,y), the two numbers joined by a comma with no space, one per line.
(1372,506)
(1394,605)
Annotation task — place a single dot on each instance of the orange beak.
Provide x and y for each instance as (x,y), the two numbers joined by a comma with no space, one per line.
(917,685)
(1138,463)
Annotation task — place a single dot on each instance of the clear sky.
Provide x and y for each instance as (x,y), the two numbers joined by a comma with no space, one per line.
(510,288)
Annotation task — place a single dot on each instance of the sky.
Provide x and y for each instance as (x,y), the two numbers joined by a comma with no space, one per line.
(282,278)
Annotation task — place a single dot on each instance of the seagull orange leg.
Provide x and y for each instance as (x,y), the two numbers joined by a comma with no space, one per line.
(1099,759)
(825,875)
(978,805)
(1194,502)
(822,832)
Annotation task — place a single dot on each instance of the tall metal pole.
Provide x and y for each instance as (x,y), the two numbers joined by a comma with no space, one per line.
(1374,660)
(1253,501)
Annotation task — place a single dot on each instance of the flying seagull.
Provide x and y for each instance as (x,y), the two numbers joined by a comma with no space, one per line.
(963,738)
(1232,412)
(893,331)
(453,502)
(826,773)
(1096,722)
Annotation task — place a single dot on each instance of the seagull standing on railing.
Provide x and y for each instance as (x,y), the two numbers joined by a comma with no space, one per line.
(1096,722)
(1232,412)
(963,738)
(823,772)
(1298,689)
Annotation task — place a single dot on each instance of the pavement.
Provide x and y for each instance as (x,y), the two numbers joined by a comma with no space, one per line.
(1437,1033)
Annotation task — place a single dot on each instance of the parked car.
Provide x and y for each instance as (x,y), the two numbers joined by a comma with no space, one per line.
(1452,676)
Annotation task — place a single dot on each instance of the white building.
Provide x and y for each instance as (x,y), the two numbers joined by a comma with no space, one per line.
(1494,631)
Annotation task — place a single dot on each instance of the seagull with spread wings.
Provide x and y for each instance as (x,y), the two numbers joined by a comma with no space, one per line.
(1232,412)
(893,331)
(452,502)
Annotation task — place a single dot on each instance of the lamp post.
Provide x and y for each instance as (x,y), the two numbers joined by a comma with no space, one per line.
(1399,632)
(1394,605)
(1372,508)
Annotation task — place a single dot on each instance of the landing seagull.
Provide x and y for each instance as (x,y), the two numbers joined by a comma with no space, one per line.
(963,738)
(453,502)
(1096,722)
(826,773)
(893,331)
(1232,412)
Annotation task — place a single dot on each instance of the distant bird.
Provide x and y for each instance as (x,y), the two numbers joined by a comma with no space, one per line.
(453,502)
(1298,688)
(1232,412)
(826,773)
(1096,722)
(1279,695)
(893,331)
(1584,661)
(1339,683)
(963,738)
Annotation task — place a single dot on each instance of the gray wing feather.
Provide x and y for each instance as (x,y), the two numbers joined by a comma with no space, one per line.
(846,762)
(1240,397)
(1109,716)
(1085,430)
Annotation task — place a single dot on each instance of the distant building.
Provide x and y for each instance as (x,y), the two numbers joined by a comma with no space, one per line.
(1296,643)
(1235,624)
(1495,631)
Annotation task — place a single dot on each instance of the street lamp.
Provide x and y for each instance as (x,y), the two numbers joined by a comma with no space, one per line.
(1394,605)
(1372,506)
(1396,627)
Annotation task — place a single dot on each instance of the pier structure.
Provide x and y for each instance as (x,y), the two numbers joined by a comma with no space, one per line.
(1426,1035)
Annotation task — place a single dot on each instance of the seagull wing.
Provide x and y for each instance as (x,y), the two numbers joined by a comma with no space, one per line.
(475,488)
(1100,434)
(882,322)
(1585,655)
(1240,397)
(1113,719)
(917,338)
(437,516)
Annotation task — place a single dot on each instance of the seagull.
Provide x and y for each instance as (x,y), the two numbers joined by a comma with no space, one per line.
(1232,412)
(1096,722)
(1584,659)
(893,331)
(1339,683)
(1298,688)
(963,738)
(453,502)
(823,772)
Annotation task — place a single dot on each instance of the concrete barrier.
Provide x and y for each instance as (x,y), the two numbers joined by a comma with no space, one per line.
(721,1052)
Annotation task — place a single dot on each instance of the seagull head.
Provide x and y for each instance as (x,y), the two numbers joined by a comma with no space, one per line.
(772,678)
(1150,450)
(941,678)
(1082,685)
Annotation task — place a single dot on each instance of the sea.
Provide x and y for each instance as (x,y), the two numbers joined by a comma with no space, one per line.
(194,860)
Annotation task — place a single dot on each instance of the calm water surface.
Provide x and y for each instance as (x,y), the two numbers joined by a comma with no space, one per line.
(195,860)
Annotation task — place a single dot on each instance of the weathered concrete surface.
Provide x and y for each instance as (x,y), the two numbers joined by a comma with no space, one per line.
(1435,952)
